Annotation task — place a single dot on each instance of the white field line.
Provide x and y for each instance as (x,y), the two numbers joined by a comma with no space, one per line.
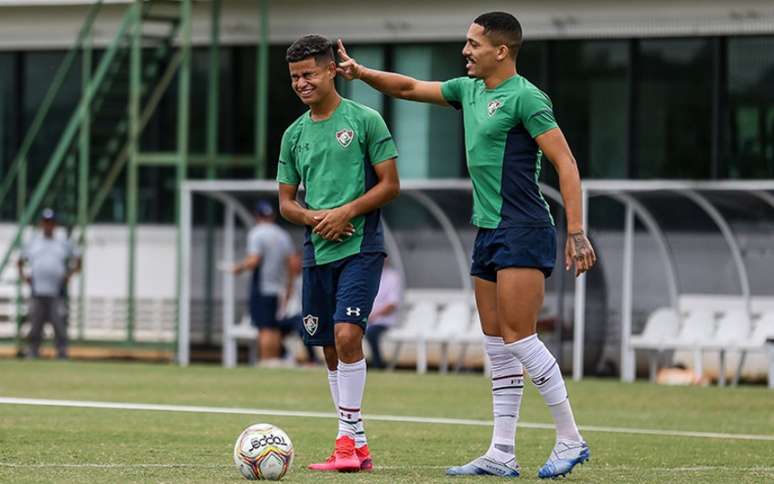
(602,469)
(373,418)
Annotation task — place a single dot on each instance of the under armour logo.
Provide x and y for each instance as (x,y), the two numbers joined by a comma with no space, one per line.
(353,312)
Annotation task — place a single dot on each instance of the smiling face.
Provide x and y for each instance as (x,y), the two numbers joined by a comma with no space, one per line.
(312,81)
(481,54)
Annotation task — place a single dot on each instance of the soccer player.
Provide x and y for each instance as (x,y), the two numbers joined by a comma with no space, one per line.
(509,125)
(344,155)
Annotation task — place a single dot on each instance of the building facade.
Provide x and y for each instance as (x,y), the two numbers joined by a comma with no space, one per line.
(642,90)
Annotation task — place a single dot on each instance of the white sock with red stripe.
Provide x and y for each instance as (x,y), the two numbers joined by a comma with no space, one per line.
(351,384)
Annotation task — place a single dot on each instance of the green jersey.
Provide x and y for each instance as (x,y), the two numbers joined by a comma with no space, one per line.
(503,157)
(334,159)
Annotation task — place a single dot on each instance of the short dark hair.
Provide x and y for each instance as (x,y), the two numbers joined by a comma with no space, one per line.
(312,45)
(502,28)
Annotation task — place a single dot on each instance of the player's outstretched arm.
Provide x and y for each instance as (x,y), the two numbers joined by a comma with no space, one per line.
(385,190)
(578,249)
(390,83)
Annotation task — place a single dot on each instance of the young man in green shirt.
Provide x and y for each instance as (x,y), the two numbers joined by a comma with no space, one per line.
(344,155)
(509,125)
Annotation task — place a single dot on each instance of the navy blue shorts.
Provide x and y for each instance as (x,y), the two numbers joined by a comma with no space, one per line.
(263,311)
(342,291)
(501,248)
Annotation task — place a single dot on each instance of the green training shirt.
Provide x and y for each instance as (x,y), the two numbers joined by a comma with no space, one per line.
(334,160)
(503,158)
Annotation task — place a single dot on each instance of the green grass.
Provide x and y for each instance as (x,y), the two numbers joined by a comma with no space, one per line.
(55,444)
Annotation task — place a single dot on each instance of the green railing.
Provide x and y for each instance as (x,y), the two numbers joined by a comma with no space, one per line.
(60,176)
(66,140)
(18,168)
(96,146)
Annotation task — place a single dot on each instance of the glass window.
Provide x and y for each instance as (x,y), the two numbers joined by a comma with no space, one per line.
(284,107)
(674,108)
(6,111)
(429,138)
(39,70)
(532,61)
(751,107)
(589,93)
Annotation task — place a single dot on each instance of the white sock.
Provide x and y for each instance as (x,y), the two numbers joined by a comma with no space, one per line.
(565,422)
(352,377)
(507,389)
(333,383)
(545,374)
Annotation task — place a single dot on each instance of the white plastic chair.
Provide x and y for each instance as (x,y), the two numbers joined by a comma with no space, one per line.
(757,341)
(733,330)
(660,329)
(453,320)
(471,336)
(420,319)
(243,331)
(696,332)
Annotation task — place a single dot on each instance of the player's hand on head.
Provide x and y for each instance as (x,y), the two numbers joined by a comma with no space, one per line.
(578,251)
(348,67)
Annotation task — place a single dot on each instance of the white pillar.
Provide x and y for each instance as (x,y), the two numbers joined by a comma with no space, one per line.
(229,356)
(580,308)
(627,354)
(184,303)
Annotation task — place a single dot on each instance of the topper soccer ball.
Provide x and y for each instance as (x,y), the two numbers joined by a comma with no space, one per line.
(263,451)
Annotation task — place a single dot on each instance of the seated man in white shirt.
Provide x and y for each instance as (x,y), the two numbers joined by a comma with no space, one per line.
(385,312)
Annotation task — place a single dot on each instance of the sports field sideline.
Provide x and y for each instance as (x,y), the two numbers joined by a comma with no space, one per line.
(120,422)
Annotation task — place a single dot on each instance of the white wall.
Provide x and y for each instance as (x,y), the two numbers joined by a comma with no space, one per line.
(105,265)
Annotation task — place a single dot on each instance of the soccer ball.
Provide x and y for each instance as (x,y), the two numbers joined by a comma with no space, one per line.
(263,451)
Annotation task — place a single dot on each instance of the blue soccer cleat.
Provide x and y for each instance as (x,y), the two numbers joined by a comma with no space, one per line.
(565,456)
(484,466)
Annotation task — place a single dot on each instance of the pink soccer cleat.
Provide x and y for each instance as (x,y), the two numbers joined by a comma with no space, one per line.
(345,457)
(364,455)
(328,465)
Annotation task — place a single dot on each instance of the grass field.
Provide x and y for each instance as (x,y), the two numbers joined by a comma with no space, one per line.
(67,444)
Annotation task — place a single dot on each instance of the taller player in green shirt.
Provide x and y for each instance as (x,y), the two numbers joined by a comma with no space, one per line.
(509,125)
(344,155)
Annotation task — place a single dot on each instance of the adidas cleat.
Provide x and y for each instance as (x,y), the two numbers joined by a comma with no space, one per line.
(484,466)
(565,456)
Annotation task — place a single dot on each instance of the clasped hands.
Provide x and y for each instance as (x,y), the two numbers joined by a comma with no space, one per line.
(333,224)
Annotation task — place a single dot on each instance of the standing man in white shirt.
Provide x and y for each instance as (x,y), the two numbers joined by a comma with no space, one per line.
(52,262)
(269,249)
